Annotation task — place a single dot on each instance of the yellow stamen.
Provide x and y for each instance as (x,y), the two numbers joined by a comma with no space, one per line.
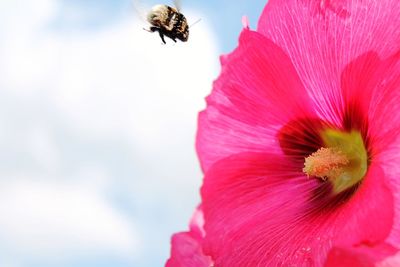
(342,161)
(326,163)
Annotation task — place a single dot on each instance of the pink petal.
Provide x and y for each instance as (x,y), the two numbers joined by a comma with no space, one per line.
(384,130)
(370,92)
(364,256)
(322,37)
(186,251)
(197,223)
(391,261)
(349,28)
(261,211)
(390,163)
(245,22)
(370,86)
(257,93)
(371,96)
(186,247)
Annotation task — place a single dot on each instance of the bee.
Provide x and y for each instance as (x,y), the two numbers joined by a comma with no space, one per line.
(169,22)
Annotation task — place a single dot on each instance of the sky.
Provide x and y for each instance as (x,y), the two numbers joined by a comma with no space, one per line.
(97,128)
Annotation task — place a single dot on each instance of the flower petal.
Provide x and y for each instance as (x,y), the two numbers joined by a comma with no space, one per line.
(390,162)
(370,87)
(257,92)
(260,211)
(322,37)
(186,247)
(384,130)
(371,96)
(364,256)
(186,251)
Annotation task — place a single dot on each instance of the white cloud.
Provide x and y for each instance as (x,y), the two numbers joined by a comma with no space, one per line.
(60,219)
(86,116)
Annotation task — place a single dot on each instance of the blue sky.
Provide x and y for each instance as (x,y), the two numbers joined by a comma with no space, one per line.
(98,164)
(224,16)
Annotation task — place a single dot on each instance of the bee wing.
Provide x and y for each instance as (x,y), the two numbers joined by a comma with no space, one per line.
(140,10)
(178,4)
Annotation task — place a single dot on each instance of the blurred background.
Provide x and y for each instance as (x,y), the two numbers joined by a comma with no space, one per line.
(97,128)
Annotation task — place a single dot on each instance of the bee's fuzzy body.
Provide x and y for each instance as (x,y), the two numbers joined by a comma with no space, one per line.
(168,21)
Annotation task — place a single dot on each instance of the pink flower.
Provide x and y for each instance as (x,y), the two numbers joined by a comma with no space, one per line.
(300,143)
(187,248)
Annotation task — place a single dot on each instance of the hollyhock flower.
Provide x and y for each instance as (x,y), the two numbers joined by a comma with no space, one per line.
(300,143)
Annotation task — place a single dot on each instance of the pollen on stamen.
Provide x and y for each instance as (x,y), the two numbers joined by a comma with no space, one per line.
(325,163)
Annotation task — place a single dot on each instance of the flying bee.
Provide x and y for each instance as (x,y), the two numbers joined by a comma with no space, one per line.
(168,21)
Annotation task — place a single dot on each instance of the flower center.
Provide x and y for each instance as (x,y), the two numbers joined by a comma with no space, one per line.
(343,161)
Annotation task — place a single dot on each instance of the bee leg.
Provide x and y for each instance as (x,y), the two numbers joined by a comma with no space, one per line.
(153,29)
(162,37)
(156,29)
